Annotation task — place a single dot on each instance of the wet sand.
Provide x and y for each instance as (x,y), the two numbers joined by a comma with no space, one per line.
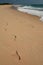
(21,38)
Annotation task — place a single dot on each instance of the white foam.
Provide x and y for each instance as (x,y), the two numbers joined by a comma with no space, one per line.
(41,18)
(34,11)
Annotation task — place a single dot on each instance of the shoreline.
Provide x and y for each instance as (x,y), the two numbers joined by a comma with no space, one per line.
(32,10)
(21,38)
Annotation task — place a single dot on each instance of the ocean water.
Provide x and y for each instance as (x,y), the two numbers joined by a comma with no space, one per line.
(27,6)
(33,10)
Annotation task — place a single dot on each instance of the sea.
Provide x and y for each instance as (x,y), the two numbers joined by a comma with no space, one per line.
(27,7)
(33,9)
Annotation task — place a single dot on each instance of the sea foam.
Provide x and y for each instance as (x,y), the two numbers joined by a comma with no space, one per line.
(37,11)
(32,10)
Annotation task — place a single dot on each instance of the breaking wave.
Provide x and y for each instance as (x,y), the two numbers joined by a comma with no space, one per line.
(37,11)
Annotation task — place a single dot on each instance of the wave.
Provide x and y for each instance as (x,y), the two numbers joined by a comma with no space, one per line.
(37,11)
(32,8)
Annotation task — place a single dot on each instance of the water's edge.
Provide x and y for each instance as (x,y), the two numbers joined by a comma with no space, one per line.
(37,11)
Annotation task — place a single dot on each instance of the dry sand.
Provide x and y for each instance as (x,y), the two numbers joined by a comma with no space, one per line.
(21,38)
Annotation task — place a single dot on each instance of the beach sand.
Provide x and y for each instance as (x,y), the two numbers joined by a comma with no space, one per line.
(21,38)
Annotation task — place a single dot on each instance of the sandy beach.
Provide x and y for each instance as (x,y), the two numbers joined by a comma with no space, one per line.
(21,38)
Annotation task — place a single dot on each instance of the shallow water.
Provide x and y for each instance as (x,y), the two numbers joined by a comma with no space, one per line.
(37,11)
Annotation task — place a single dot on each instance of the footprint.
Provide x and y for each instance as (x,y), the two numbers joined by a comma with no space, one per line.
(14,37)
(32,26)
(5,29)
(6,26)
(18,55)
